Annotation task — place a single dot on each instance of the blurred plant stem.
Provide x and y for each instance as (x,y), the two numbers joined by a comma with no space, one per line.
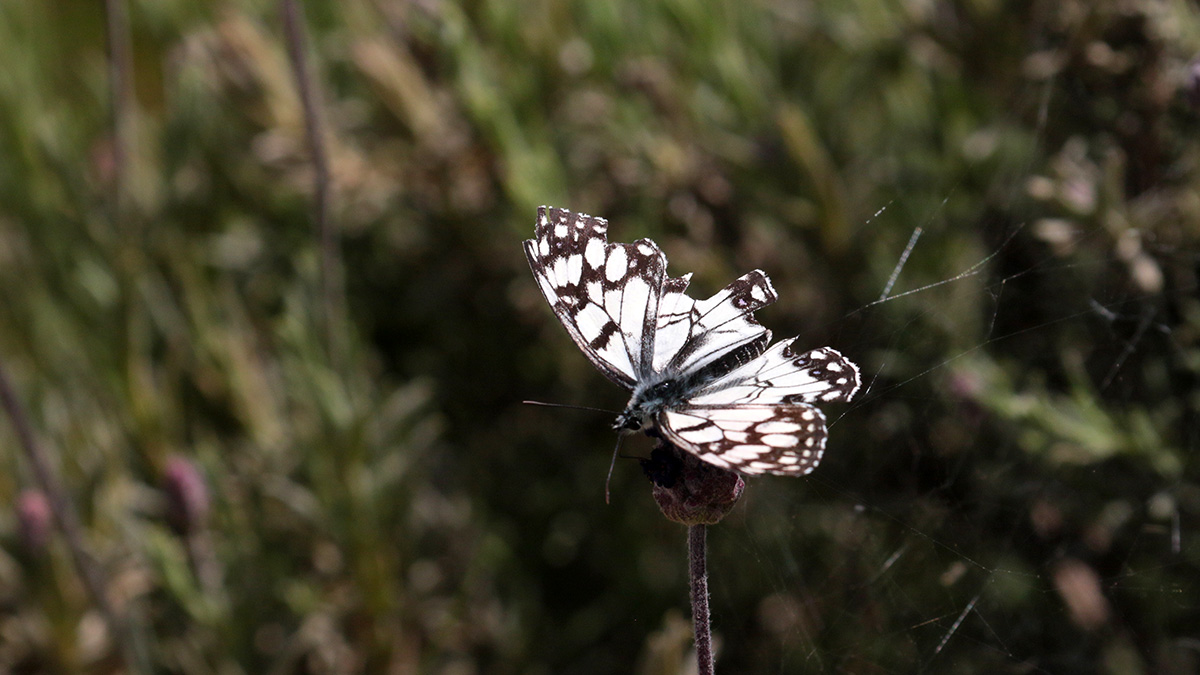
(331,286)
(698,573)
(68,521)
(119,88)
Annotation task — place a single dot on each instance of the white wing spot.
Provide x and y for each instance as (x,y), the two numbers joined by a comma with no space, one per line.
(560,230)
(636,295)
(559,271)
(612,301)
(747,452)
(776,427)
(591,321)
(574,268)
(544,247)
(617,265)
(779,440)
(706,434)
(594,253)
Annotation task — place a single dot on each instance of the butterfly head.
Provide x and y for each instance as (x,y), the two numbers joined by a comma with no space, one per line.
(628,421)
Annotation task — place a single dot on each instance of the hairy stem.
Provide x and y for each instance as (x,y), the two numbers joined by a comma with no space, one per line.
(698,573)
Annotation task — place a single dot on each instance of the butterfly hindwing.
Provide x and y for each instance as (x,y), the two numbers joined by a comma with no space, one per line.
(752,439)
(780,376)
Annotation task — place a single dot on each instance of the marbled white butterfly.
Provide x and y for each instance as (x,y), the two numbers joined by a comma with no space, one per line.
(701,371)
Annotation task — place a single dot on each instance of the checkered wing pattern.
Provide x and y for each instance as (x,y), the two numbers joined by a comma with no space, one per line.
(750,438)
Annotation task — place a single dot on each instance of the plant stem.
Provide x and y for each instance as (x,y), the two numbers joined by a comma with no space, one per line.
(331,293)
(698,573)
(119,92)
(68,522)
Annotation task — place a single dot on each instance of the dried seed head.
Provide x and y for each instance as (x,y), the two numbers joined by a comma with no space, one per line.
(688,490)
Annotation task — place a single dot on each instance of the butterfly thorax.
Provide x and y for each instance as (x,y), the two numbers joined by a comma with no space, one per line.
(650,399)
(652,396)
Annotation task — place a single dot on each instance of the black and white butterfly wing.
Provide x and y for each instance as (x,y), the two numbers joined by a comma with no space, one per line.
(783,376)
(631,321)
(606,295)
(717,332)
(758,418)
(750,438)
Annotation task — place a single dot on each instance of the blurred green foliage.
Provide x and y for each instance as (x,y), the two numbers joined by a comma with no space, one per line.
(1016,491)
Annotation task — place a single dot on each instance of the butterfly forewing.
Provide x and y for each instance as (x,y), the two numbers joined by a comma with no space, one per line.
(605,295)
(695,333)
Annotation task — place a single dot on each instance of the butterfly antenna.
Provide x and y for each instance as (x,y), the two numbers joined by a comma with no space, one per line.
(573,407)
(612,464)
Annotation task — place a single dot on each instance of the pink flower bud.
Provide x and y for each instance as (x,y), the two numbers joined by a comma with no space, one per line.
(1192,87)
(187,495)
(34,519)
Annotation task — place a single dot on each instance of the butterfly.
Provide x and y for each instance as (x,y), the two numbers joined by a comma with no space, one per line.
(702,374)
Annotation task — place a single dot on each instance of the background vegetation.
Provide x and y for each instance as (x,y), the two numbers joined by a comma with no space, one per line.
(267,487)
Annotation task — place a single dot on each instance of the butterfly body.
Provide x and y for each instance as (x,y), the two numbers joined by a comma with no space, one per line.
(702,373)
(648,401)
(653,396)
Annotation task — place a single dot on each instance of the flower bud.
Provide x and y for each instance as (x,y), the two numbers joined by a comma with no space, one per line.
(1191,88)
(187,495)
(34,520)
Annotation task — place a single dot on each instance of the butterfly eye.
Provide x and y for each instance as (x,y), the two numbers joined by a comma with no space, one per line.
(627,422)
